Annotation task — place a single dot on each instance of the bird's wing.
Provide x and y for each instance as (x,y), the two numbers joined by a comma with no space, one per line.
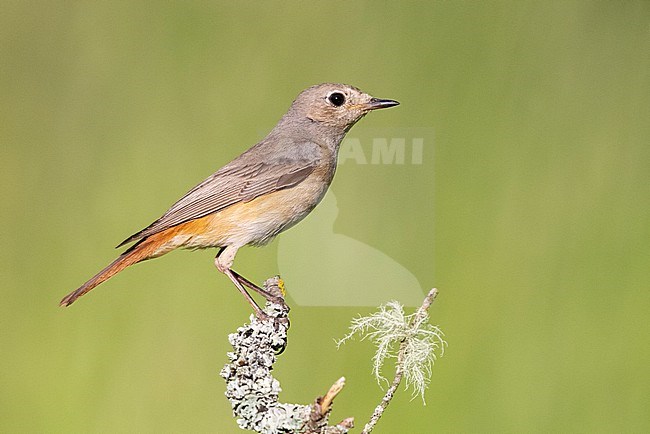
(232,184)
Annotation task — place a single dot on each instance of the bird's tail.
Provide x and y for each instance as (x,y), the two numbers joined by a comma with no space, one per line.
(138,252)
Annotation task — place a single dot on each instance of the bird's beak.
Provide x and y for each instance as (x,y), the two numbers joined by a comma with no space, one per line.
(376,103)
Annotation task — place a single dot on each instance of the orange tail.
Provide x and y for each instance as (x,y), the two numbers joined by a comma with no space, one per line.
(135,254)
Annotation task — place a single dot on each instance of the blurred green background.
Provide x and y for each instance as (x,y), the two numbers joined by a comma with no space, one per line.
(530,212)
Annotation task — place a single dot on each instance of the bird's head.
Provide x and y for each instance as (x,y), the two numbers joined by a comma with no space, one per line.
(336,105)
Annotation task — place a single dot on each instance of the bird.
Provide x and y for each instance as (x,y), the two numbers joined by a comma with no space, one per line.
(262,192)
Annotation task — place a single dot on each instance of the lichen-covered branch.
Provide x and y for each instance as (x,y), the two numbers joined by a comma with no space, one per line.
(252,390)
(409,339)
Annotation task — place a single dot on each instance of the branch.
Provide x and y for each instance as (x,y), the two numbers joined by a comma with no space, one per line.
(418,342)
(252,390)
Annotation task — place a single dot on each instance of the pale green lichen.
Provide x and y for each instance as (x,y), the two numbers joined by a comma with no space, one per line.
(388,329)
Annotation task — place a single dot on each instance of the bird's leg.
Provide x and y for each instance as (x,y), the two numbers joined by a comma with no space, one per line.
(264,293)
(223,261)
(258,311)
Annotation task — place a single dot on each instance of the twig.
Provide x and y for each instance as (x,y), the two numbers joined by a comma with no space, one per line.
(320,412)
(336,388)
(420,316)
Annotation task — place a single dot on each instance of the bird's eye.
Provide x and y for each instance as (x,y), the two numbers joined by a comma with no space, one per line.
(337,99)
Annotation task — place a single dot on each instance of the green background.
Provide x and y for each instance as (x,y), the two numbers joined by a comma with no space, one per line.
(530,212)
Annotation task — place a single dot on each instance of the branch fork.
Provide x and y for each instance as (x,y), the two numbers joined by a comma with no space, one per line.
(253,391)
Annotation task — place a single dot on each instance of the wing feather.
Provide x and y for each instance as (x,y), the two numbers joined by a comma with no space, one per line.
(230,185)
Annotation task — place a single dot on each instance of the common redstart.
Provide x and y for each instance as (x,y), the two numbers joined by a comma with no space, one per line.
(264,191)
